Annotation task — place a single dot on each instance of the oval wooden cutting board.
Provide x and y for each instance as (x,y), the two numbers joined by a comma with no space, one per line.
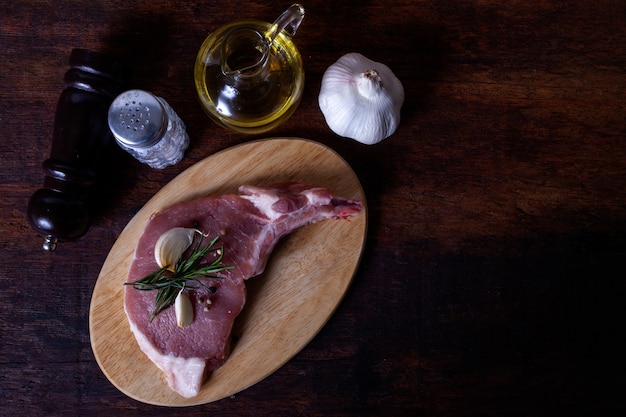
(305,279)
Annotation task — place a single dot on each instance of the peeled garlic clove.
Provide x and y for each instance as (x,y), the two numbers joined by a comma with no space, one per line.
(171,245)
(361,99)
(184,309)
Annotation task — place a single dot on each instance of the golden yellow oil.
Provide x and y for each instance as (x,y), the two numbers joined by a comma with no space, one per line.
(258,105)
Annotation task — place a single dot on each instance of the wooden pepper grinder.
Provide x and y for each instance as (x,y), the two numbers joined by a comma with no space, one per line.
(59,211)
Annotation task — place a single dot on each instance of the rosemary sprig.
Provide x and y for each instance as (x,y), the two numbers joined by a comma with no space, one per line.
(187,271)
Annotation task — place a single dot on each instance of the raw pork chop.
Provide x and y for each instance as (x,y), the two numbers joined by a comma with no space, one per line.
(249,225)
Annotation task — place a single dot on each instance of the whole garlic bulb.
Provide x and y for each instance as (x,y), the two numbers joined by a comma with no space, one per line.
(361,99)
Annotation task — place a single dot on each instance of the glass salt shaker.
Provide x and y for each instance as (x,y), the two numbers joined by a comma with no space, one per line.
(148,128)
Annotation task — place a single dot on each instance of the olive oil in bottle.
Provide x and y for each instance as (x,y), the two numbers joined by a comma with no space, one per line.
(249,74)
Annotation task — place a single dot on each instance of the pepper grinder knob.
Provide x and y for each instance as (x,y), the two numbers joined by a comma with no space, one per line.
(60,211)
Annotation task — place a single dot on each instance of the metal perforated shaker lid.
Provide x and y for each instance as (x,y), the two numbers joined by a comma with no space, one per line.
(137,119)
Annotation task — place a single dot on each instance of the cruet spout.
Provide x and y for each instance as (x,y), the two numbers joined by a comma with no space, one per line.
(245,52)
(289,21)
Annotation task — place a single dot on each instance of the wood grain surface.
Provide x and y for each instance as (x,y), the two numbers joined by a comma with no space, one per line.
(492,282)
(305,279)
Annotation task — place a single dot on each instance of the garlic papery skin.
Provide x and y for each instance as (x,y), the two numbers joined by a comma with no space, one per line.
(183,309)
(361,99)
(172,244)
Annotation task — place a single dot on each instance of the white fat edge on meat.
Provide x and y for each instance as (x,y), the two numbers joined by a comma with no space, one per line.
(265,199)
(264,202)
(184,375)
(256,250)
(314,198)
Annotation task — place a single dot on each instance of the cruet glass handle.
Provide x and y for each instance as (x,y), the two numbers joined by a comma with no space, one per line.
(289,21)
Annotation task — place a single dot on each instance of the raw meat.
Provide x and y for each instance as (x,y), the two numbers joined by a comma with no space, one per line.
(249,225)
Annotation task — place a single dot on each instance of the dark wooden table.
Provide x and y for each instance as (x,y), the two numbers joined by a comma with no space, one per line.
(492,283)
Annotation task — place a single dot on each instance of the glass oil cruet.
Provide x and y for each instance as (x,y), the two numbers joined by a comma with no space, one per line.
(249,75)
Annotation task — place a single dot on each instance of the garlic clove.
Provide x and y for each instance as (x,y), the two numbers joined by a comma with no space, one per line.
(183,309)
(172,244)
(361,99)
